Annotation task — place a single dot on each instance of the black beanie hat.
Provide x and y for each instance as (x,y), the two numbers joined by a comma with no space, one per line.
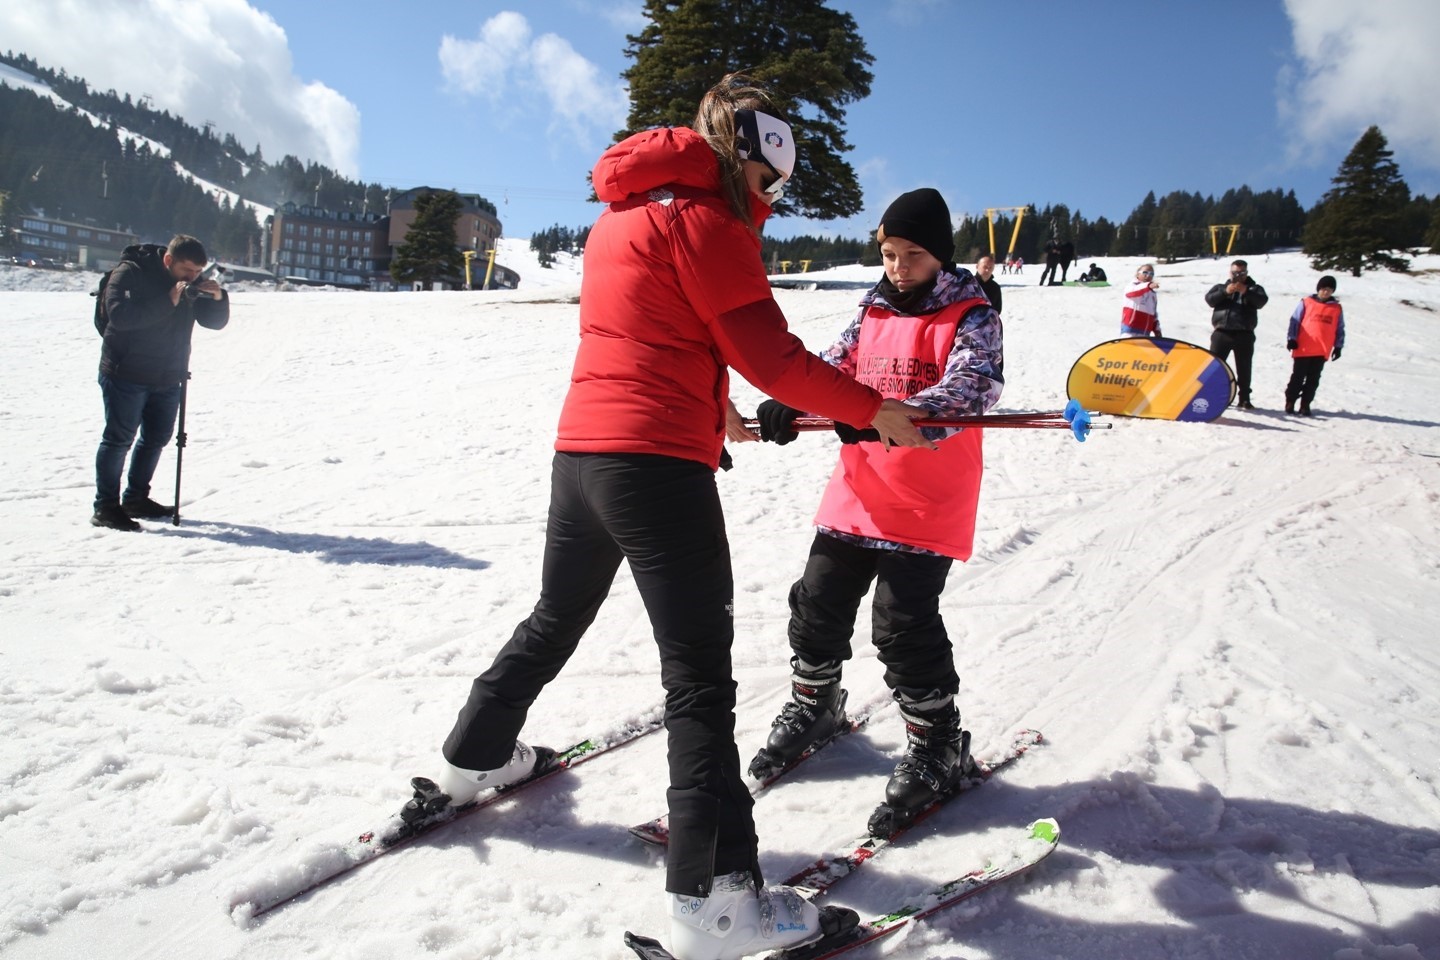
(921,217)
(1325,281)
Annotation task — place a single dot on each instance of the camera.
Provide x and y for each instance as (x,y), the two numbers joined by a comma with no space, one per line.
(211,272)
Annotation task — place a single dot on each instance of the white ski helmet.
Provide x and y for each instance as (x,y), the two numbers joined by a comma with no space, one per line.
(768,140)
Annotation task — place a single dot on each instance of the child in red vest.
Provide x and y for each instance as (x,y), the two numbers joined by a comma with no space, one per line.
(925,334)
(1317,332)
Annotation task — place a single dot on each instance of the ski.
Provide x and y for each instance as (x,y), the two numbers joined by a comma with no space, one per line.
(824,873)
(332,861)
(657,831)
(1039,841)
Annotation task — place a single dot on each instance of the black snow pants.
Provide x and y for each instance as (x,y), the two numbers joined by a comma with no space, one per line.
(663,516)
(1243,343)
(905,621)
(1304,380)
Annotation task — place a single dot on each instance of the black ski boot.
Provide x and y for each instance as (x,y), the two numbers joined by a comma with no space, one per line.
(936,760)
(815,714)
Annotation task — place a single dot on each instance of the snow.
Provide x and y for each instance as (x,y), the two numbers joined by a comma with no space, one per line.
(9,76)
(219,192)
(1220,628)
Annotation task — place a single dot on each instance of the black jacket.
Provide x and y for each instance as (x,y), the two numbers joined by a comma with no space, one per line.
(147,340)
(992,290)
(1237,311)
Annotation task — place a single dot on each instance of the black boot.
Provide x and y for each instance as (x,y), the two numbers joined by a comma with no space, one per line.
(815,714)
(112,516)
(936,760)
(143,508)
(1289,404)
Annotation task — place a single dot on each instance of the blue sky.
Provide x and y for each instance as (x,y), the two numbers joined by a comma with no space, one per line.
(1085,103)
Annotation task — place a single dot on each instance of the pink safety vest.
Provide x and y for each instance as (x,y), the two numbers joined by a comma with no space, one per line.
(926,498)
(1318,326)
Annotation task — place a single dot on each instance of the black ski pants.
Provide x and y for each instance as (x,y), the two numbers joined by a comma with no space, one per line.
(1304,380)
(905,621)
(662,515)
(1242,342)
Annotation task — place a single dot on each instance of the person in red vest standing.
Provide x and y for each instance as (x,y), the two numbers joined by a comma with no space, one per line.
(1316,334)
(925,334)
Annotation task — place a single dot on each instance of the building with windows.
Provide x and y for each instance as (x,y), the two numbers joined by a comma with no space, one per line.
(56,242)
(477,228)
(312,245)
(315,245)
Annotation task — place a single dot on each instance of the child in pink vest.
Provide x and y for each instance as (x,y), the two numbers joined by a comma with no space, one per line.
(925,334)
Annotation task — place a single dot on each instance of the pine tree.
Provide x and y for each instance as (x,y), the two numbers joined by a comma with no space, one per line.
(1359,222)
(811,58)
(428,253)
(1133,237)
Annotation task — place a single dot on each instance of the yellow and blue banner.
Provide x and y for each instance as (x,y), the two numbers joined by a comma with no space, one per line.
(1152,377)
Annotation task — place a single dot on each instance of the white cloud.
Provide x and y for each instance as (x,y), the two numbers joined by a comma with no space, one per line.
(626,15)
(483,65)
(1360,67)
(221,60)
(574,85)
(506,66)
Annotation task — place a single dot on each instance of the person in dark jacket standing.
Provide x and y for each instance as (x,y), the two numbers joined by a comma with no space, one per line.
(152,302)
(674,291)
(1052,263)
(1236,305)
(985,273)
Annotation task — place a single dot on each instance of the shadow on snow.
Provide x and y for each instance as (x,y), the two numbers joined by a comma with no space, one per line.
(330,549)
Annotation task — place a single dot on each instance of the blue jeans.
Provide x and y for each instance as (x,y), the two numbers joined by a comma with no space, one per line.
(131,407)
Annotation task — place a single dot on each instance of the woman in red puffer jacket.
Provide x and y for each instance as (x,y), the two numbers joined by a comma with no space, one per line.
(673,293)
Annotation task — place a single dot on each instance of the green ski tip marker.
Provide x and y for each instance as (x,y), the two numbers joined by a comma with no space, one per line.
(1047,830)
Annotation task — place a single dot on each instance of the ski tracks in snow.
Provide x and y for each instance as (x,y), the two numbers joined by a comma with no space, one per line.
(1147,622)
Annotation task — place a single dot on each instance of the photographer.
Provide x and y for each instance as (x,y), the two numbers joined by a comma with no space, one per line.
(151,304)
(1236,305)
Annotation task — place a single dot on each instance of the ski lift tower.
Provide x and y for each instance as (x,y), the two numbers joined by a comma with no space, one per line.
(1014,234)
(1215,229)
(470,255)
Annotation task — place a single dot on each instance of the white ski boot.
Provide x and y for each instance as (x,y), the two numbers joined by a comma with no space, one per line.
(463,785)
(736,920)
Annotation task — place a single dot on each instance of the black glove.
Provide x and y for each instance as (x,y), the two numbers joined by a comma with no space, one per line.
(1292,344)
(775,421)
(1335,354)
(849,434)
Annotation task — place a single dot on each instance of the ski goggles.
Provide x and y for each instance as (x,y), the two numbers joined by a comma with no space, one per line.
(767,140)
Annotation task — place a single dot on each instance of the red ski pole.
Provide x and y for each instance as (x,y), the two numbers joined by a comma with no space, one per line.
(1076,420)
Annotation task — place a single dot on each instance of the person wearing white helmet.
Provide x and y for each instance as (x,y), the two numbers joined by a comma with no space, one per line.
(673,293)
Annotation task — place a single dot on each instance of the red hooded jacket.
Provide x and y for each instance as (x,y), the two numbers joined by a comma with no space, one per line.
(672,293)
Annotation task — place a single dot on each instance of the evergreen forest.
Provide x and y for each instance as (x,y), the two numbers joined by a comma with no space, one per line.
(70,164)
(72,167)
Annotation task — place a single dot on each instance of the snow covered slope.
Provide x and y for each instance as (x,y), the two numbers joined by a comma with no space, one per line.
(1221,629)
